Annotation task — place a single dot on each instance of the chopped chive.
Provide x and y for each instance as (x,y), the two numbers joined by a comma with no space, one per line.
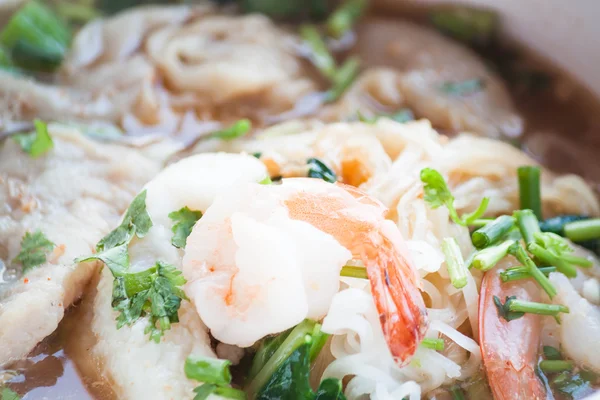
(492,232)
(455,263)
(528,224)
(487,258)
(354,272)
(579,261)
(342,79)
(557,224)
(549,258)
(237,130)
(457,393)
(581,231)
(478,213)
(536,308)
(529,189)
(208,370)
(433,344)
(319,54)
(464,88)
(552,353)
(517,273)
(345,17)
(519,252)
(550,366)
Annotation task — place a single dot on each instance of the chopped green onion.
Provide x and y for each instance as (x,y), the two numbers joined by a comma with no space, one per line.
(469,25)
(549,258)
(433,344)
(487,258)
(319,54)
(536,308)
(208,370)
(342,79)
(457,393)
(552,353)
(551,366)
(529,189)
(557,224)
(354,272)
(492,232)
(579,261)
(204,391)
(580,231)
(561,378)
(528,225)
(517,273)
(519,252)
(36,143)
(237,130)
(464,88)
(504,311)
(318,169)
(344,17)
(319,338)
(454,261)
(265,351)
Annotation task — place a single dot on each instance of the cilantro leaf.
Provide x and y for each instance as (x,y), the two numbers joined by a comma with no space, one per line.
(437,193)
(115,258)
(184,222)
(504,311)
(34,249)
(36,143)
(7,394)
(155,293)
(553,242)
(135,222)
(317,169)
(216,376)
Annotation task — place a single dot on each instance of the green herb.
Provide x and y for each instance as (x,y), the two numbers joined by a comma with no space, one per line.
(204,391)
(345,17)
(35,143)
(529,189)
(317,169)
(265,351)
(257,155)
(468,25)
(464,88)
(235,131)
(287,9)
(528,224)
(208,370)
(437,194)
(36,37)
(487,258)
(549,258)
(319,338)
(552,353)
(354,272)
(343,78)
(7,394)
(517,273)
(184,220)
(158,295)
(34,249)
(454,262)
(433,344)
(524,306)
(78,13)
(519,252)
(330,389)
(266,181)
(580,231)
(116,258)
(557,224)
(491,232)
(401,116)
(551,366)
(504,310)
(319,54)
(457,393)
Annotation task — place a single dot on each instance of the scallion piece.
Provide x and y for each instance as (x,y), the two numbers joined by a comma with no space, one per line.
(457,393)
(487,258)
(519,252)
(433,344)
(319,338)
(532,307)
(580,231)
(354,272)
(319,54)
(237,130)
(517,273)
(549,258)
(579,261)
(529,189)
(344,17)
(466,24)
(342,79)
(492,232)
(551,353)
(454,261)
(528,224)
(551,366)
(208,370)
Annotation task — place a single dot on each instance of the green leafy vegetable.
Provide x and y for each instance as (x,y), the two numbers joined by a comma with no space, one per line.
(345,17)
(235,131)
(437,194)
(551,366)
(469,25)
(36,143)
(529,189)
(209,370)
(7,394)
(116,258)
(36,37)
(157,294)
(205,390)
(317,169)
(330,389)
(184,220)
(504,310)
(464,88)
(34,249)
(552,353)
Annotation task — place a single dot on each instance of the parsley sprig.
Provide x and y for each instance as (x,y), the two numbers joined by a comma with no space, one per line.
(184,220)
(34,249)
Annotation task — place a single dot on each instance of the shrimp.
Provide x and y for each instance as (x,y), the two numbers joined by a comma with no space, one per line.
(264,257)
(509,349)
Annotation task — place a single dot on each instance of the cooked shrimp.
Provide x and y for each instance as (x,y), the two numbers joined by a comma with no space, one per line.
(264,257)
(509,349)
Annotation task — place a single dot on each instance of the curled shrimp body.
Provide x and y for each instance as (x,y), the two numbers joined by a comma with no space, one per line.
(510,349)
(264,257)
